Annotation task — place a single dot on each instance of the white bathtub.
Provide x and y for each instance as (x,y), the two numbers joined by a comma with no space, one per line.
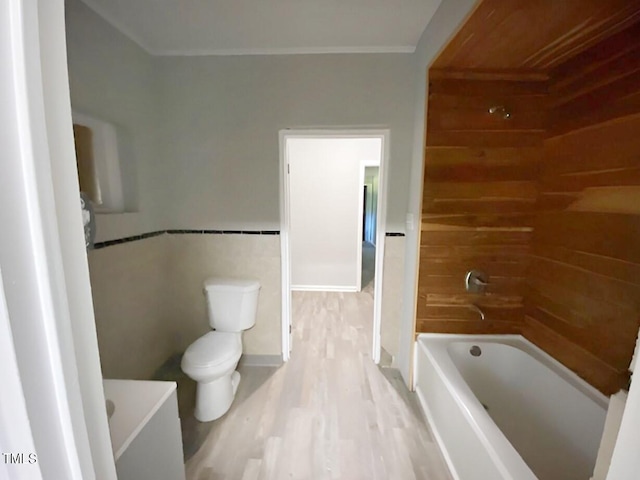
(511,413)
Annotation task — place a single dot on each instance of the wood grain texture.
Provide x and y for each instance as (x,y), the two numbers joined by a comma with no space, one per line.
(479,200)
(585,364)
(329,413)
(565,166)
(533,35)
(601,84)
(458,113)
(583,299)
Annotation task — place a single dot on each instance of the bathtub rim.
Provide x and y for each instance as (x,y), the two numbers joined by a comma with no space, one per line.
(506,458)
(517,340)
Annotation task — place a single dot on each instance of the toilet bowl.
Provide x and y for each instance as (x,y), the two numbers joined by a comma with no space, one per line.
(212,359)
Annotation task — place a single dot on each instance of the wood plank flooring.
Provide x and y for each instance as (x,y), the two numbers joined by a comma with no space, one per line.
(328,414)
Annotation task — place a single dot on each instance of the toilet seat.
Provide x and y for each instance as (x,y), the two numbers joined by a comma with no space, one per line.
(213,351)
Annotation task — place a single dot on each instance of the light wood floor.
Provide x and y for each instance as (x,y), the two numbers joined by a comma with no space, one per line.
(329,413)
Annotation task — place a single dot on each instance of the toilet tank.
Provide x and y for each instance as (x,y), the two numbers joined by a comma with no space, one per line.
(231,303)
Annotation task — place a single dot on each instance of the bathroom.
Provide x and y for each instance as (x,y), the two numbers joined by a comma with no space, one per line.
(191,164)
(185,123)
(145,279)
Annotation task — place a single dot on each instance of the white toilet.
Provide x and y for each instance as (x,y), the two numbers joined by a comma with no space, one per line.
(212,359)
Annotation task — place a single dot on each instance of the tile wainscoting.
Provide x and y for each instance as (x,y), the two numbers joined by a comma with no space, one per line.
(149,305)
(392,290)
(135,323)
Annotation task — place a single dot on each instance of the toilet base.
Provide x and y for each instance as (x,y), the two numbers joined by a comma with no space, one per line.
(214,399)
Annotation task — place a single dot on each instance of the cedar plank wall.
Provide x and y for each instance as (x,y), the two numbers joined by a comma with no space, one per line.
(479,200)
(583,299)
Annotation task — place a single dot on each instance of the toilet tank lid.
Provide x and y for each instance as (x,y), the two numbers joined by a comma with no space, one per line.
(222,284)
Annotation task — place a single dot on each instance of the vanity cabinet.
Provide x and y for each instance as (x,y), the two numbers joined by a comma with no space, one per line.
(145,430)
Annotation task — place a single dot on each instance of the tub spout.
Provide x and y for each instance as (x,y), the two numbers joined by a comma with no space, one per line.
(475,307)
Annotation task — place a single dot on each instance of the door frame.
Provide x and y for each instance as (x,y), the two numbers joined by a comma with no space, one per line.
(44,262)
(285,251)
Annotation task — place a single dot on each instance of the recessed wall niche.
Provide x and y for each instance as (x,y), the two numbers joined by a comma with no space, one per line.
(98,162)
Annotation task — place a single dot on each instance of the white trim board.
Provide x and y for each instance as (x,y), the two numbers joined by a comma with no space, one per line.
(195,52)
(322,288)
(384,135)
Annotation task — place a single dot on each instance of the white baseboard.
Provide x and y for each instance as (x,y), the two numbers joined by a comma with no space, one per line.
(323,288)
(260,361)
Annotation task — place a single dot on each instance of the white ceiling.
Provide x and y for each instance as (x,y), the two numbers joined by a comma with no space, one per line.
(241,27)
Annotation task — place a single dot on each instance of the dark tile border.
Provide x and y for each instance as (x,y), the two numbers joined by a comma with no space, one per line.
(109,243)
(119,241)
(134,238)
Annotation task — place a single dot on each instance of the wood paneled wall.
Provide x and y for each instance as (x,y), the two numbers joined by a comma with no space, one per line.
(583,299)
(547,203)
(478,204)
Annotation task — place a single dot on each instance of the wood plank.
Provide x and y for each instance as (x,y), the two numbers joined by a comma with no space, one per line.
(497,89)
(578,181)
(581,285)
(572,309)
(543,297)
(550,202)
(479,220)
(533,35)
(327,413)
(590,149)
(607,234)
(596,77)
(478,206)
(600,340)
(512,75)
(459,267)
(505,252)
(609,267)
(475,190)
(480,102)
(481,120)
(450,285)
(493,139)
(597,288)
(469,157)
(479,173)
(609,102)
(479,327)
(588,366)
(612,48)
(497,301)
(465,313)
(475,238)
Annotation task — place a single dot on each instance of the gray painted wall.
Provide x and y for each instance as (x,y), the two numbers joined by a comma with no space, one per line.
(222,116)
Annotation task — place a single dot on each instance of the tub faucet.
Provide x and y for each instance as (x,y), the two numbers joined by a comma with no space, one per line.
(475,307)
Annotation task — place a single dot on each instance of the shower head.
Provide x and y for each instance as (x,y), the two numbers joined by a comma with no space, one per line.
(500,110)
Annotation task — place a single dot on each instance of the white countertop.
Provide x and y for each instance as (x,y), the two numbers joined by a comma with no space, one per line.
(136,401)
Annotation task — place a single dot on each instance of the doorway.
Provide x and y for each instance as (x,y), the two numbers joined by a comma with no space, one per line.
(321,248)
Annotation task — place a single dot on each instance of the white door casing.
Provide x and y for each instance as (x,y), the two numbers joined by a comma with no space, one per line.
(285,239)
(41,249)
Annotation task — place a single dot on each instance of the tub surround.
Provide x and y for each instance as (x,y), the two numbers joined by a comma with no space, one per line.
(546,201)
(479,196)
(583,301)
